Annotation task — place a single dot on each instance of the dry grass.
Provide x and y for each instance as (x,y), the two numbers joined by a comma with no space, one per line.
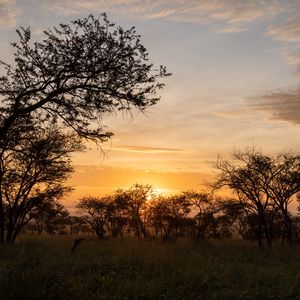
(44,268)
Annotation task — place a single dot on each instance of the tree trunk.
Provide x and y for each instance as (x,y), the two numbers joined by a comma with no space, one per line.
(1,221)
(289,229)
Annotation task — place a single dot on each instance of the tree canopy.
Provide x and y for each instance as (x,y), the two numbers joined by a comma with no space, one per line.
(265,186)
(67,83)
(33,172)
(76,75)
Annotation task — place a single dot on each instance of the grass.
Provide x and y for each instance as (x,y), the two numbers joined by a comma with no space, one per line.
(44,268)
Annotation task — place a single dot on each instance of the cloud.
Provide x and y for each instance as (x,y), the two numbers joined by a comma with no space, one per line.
(288,31)
(284,105)
(141,149)
(281,105)
(8,13)
(232,15)
(292,56)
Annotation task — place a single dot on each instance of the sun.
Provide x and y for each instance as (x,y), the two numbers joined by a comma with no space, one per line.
(155,192)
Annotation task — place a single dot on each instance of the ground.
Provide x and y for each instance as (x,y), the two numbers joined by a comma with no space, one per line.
(44,268)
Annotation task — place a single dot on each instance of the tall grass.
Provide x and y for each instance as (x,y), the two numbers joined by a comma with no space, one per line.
(44,268)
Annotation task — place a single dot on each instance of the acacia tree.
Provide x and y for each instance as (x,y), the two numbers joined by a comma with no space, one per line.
(32,172)
(49,215)
(159,211)
(202,205)
(135,205)
(249,174)
(117,217)
(79,73)
(265,185)
(284,184)
(76,75)
(95,211)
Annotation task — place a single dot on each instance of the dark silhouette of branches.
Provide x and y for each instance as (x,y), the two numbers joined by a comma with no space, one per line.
(31,173)
(76,75)
(265,186)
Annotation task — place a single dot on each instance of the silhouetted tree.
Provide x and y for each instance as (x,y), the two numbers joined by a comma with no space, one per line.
(95,211)
(179,209)
(265,185)
(77,74)
(49,215)
(117,217)
(169,216)
(159,211)
(233,218)
(248,175)
(30,173)
(77,225)
(284,184)
(134,202)
(202,207)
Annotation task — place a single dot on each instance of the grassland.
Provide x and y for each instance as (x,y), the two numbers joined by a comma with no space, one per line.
(44,268)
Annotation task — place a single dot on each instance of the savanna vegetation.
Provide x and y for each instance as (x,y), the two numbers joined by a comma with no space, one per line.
(133,243)
(44,268)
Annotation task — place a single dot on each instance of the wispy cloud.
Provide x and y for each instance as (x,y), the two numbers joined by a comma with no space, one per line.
(227,15)
(8,13)
(233,15)
(292,55)
(281,105)
(142,149)
(289,31)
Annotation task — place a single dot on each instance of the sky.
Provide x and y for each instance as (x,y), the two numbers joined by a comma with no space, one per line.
(235,83)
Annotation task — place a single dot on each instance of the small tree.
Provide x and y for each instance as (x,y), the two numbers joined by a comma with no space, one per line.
(117,217)
(49,216)
(94,211)
(202,206)
(134,202)
(32,172)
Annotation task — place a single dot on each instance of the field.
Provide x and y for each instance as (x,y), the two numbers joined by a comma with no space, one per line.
(44,268)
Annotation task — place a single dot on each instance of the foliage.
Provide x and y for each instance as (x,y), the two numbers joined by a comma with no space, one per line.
(76,75)
(265,186)
(49,215)
(32,172)
(79,73)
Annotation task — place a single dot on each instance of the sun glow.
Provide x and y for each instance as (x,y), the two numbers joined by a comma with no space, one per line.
(156,192)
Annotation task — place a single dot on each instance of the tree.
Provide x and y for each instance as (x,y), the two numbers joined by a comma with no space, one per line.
(135,204)
(94,211)
(159,211)
(117,217)
(79,73)
(248,174)
(33,171)
(179,208)
(169,216)
(202,205)
(49,215)
(284,185)
(265,185)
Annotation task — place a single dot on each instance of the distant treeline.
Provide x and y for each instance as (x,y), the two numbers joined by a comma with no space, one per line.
(264,187)
(139,211)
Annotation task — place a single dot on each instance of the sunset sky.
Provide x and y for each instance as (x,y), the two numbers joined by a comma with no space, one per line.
(235,83)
